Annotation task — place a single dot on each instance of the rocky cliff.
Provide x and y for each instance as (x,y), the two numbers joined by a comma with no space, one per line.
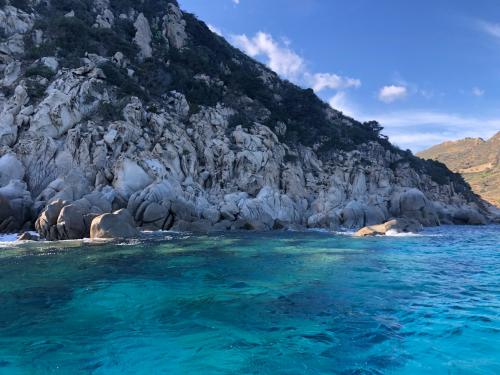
(476,159)
(112,104)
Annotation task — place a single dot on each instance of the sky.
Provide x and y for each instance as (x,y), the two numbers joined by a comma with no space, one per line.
(427,70)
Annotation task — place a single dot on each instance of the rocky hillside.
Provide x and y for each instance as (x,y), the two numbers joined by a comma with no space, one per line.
(121,104)
(477,160)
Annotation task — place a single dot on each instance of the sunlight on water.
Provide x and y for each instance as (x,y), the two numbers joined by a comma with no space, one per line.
(239,303)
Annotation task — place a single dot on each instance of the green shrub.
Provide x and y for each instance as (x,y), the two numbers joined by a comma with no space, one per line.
(109,111)
(40,70)
(239,118)
(155,77)
(290,158)
(35,89)
(36,52)
(20,4)
(118,77)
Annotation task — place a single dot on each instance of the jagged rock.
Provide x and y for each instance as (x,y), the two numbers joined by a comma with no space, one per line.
(8,117)
(15,21)
(394,226)
(175,27)
(119,224)
(71,97)
(105,20)
(143,36)
(11,73)
(71,187)
(110,134)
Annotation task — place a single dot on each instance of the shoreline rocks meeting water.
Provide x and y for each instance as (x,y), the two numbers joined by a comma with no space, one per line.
(148,120)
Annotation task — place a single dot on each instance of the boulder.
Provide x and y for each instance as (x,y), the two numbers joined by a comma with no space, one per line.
(357,214)
(198,226)
(119,224)
(10,169)
(8,222)
(20,202)
(71,223)
(46,222)
(394,226)
(28,236)
(413,204)
(151,206)
(468,216)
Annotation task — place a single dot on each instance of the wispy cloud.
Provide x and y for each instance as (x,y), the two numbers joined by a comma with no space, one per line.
(236,1)
(419,129)
(340,102)
(214,29)
(280,58)
(493,29)
(287,63)
(321,81)
(389,94)
(476,91)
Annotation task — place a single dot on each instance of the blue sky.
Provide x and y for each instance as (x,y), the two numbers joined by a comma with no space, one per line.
(428,71)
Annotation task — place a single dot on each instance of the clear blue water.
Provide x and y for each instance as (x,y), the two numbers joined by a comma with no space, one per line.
(247,303)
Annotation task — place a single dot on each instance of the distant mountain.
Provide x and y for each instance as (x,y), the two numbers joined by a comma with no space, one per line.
(477,160)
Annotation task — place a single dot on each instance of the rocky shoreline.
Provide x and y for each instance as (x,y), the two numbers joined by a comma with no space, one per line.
(75,164)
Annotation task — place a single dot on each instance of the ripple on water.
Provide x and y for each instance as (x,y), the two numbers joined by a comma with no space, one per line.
(272,303)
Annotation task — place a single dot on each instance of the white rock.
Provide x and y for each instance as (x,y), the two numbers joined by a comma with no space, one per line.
(143,36)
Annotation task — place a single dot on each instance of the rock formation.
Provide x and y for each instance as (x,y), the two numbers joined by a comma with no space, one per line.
(116,225)
(138,106)
(393,226)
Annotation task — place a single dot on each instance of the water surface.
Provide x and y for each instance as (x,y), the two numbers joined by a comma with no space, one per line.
(248,303)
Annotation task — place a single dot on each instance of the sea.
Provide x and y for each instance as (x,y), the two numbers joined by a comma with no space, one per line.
(312,302)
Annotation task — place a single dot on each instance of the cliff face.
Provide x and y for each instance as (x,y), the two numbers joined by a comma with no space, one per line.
(111,104)
(477,160)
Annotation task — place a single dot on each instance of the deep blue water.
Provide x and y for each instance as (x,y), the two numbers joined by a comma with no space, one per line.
(247,303)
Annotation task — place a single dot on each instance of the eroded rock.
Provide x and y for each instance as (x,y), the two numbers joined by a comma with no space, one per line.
(393,226)
(119,224)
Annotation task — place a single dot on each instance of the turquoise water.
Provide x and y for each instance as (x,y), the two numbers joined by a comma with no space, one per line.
(247,303)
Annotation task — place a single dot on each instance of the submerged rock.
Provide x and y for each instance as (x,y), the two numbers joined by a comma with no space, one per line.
(27,236)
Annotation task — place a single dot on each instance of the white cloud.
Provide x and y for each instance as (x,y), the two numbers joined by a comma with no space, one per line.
(321,81)
(281,59)
(490,28)
(419,129)
(236,1)
(418,141)
(389,94)
(214,29)
(476,91)
(288,64)
(340,102)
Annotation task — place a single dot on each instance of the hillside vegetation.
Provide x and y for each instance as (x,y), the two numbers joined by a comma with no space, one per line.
(477,160)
